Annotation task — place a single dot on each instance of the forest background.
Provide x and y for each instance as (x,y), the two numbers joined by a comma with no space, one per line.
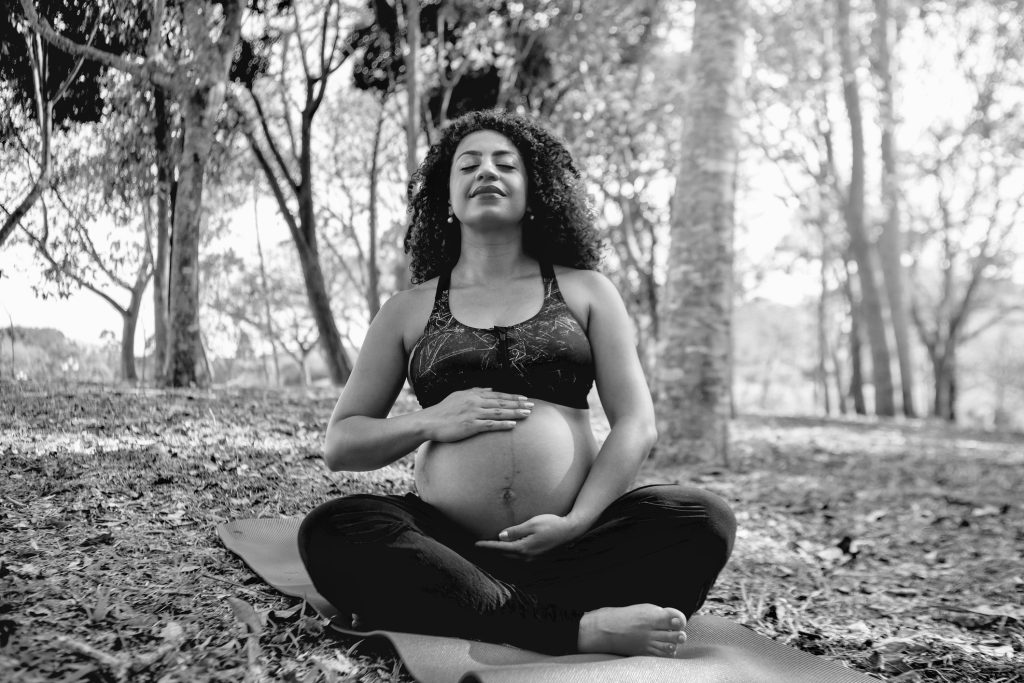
(875,265)
(812,208)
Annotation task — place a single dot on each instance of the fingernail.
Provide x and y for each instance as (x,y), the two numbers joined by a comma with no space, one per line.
(524,411)
(677,623)
(521,398)
(503,535)
(528,404)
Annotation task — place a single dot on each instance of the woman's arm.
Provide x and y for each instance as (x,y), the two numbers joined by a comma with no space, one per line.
(626,399)
(360,435)
(627,402)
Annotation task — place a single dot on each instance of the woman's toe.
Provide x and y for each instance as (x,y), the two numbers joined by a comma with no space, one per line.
(673,619)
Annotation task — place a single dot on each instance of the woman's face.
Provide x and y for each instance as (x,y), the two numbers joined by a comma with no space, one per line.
(487,182)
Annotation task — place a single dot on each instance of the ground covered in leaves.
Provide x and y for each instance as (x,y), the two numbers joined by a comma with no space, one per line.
(893,547)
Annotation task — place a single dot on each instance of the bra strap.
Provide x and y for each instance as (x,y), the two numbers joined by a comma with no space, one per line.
(441,310)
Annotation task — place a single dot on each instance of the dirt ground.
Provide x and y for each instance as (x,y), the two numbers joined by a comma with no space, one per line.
(895,547)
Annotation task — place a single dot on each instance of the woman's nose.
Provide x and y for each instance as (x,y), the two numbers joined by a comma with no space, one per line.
(486,170)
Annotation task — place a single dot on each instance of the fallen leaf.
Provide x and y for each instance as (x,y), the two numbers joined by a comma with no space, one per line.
(245,615)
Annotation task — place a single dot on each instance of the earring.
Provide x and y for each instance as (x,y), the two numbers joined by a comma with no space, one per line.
(451,214)
(529,215)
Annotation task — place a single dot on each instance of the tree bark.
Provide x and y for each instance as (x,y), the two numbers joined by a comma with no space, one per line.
(822,326)
(694,371)
(373,280)
(265,291)
(891,241)
(856,389)
(164,174)
(129,320)
(412,124)
(944,369)
(853,211)
(183,364)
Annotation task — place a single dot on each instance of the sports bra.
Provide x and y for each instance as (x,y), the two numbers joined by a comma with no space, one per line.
(546,357)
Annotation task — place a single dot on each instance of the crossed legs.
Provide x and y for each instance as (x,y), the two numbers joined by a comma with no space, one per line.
(626,585)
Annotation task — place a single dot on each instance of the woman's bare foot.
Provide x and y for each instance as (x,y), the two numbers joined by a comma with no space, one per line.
(634,630)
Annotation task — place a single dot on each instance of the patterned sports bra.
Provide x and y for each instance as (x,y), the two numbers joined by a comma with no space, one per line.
(546,357)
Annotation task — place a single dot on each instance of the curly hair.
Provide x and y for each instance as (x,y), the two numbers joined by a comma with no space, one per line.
(561,230)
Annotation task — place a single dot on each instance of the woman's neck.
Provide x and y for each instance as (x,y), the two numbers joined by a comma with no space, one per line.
(492,259)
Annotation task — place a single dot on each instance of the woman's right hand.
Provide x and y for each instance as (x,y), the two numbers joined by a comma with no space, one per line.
(469,412)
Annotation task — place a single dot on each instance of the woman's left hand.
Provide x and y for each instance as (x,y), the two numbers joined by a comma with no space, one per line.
(534,536)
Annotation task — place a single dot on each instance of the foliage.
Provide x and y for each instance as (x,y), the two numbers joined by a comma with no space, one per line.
(45,355)
(84,99)
(888,546)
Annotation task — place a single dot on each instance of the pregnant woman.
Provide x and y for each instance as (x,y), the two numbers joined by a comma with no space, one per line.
(522,530)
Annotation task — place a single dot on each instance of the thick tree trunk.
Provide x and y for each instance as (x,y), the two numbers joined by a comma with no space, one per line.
(164,174)
(694,372)
(891,241)
(871,304)
(183,367)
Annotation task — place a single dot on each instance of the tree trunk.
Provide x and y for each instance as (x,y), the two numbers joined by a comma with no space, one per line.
(944,370)
(338,364)
(871,304)
(266,295)
(694,372)
(823,350)
(412,124)
(856,389)
(129,320)
(891,241)
(373,281)
(184,362)
(164,174)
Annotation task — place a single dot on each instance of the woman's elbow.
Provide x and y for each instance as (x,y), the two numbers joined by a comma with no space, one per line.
(337,453)
(651,435)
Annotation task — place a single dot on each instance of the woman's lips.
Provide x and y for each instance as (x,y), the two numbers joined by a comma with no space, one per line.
(487,190)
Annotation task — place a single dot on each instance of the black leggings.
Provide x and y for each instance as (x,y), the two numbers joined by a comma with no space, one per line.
(400,564)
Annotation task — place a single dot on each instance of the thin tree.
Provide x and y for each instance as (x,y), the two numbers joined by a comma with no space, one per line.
(890,247)
(871,303)
(290,175)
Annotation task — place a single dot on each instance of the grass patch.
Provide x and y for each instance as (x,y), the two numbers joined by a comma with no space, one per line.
(894,547)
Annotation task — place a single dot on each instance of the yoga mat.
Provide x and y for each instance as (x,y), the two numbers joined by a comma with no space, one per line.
(717,650)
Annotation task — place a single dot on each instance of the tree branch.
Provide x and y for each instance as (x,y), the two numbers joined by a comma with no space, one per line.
(135,66)
(90,247)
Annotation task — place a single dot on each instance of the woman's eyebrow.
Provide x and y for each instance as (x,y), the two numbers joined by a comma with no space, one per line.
(500,152)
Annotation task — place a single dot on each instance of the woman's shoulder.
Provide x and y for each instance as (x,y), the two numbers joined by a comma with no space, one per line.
(582,282)
(407,310)
(406,301)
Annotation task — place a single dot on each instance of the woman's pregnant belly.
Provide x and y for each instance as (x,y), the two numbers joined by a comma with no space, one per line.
(493,480)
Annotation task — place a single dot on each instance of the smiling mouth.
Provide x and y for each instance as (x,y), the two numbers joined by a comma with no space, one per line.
(487,189)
